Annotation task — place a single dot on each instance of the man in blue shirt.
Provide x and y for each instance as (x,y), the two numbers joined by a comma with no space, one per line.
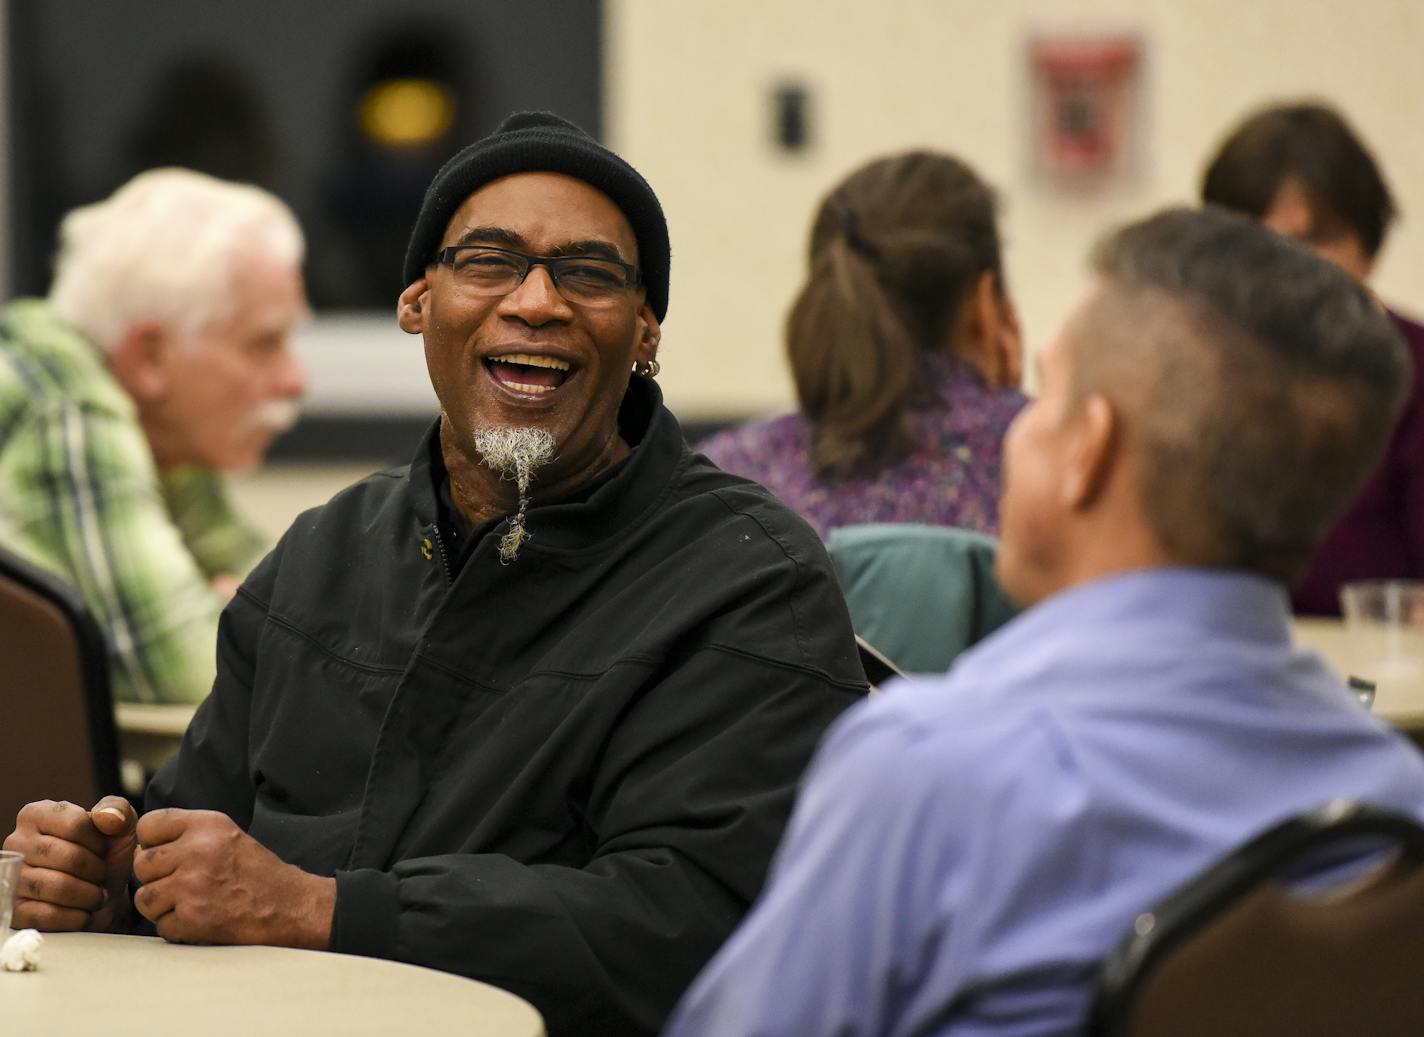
(966,850)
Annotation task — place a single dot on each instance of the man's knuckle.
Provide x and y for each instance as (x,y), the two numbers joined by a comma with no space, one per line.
(172,928)
(44,848)
(33,885)
(31,812)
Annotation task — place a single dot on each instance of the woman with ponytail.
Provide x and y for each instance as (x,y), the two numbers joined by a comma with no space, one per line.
(905,351)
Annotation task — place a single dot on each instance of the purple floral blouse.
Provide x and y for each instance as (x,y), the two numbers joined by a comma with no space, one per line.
(950,478)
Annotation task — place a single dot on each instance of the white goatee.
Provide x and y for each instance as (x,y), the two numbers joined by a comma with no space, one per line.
(514,452)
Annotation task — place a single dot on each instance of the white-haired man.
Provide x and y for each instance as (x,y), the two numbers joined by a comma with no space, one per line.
(161,357)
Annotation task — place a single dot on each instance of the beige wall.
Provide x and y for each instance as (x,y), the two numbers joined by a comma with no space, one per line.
(688,102)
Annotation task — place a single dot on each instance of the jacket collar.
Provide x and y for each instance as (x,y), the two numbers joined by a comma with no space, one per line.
(607,504)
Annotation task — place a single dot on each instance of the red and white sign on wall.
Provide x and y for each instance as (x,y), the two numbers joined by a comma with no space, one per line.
(1086,106)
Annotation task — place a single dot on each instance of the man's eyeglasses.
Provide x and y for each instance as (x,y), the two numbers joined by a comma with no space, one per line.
(591,280)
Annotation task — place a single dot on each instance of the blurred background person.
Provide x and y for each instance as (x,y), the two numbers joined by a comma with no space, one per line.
(161,357)
(905,352)
(1302,171)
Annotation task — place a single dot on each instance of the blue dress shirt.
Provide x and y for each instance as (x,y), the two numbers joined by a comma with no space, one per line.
(966,849)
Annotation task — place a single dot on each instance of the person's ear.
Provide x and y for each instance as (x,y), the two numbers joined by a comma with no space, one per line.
(1366,263)
(410,307)
(1096,433)
(1009,341)
(997,349)
(650,334)
(140,360)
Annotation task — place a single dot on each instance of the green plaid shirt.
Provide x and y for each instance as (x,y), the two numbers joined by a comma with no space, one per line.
(81,497)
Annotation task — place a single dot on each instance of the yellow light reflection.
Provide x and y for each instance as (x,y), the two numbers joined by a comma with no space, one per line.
(406,113)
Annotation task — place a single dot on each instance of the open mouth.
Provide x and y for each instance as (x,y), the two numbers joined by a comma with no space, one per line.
(528,373)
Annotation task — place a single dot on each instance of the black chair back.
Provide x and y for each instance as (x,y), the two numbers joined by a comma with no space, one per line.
(1238,951)
(878,666)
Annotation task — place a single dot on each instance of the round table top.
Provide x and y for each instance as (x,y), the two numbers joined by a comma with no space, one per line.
(1401,702)
(149,719)
(89,983)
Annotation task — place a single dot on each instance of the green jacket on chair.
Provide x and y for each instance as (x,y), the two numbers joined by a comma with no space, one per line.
(920,594)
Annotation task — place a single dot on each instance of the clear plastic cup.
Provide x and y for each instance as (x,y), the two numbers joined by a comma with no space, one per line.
(10,862)
(1384,622)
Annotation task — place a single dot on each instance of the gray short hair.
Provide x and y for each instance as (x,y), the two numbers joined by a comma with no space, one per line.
(165,247)
(1262,381)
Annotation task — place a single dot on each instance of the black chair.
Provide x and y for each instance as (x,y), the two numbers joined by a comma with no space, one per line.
(1241,951)
(57,735)
(878,666)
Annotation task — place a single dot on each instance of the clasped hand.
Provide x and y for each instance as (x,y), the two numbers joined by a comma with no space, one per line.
(204,880)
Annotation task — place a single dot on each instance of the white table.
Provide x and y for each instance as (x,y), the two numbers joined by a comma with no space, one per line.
(96,984)
(1399,702)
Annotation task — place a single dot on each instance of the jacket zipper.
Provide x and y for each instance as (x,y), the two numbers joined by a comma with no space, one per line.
(444,558)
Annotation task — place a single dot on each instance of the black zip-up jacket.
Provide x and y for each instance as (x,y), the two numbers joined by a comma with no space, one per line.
(565,775)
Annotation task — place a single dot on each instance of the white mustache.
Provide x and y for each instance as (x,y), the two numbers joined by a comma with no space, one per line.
(273,417)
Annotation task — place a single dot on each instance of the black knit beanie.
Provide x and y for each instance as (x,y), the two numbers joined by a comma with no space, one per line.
(542,142)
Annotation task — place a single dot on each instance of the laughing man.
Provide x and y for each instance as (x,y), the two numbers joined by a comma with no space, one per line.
(530,709)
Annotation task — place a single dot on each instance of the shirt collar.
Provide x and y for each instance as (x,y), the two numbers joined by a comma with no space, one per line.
(1232,603)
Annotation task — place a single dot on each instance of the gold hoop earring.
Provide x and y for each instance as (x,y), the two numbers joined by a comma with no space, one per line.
(648,370)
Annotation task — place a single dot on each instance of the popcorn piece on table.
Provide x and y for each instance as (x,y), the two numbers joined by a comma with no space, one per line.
(21,952)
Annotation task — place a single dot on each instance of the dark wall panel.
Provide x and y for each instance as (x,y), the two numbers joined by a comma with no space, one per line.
(265,90)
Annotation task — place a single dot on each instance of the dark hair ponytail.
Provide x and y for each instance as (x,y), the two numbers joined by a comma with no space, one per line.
(895,250)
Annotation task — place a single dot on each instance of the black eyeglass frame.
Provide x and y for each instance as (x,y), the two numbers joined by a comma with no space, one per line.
(634,276)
